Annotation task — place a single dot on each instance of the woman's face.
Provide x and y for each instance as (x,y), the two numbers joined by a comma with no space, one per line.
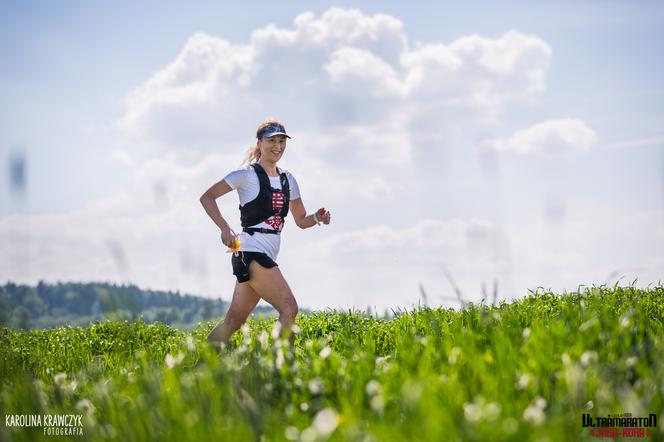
(272,148)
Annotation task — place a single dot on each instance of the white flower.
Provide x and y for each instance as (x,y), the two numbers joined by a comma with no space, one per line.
(524,381)
(566,359)
(588,357)
(326,421)
(535,412)
(534,415)
(190,343)
(377,403)
(454,355)
(480,409)
(292,433)
(245,329)
(172,361)
(262,338)
(325,352)
(280,358)
(60,378)
(85,406)
(373,387)
(590,405)
(304,406)
(472,412)
(315,385)
(525,333)
(631,361)
(276,330)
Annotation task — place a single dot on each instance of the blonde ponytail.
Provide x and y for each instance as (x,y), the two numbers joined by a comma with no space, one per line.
(253,154)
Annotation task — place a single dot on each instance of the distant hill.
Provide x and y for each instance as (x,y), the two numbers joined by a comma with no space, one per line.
(54,305)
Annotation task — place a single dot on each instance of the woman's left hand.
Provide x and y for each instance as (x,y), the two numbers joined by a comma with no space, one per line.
(323,215)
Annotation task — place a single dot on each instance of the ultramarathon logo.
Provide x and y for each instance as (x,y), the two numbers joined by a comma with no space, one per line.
(625,425)
(53,424)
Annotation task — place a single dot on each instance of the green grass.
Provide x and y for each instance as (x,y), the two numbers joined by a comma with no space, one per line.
(525,370)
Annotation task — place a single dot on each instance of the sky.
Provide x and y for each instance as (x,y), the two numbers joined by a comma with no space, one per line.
(462,148)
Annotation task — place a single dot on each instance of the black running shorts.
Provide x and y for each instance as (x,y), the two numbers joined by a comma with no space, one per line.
(241,261)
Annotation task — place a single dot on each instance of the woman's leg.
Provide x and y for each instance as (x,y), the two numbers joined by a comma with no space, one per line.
(244,301)
(271,286)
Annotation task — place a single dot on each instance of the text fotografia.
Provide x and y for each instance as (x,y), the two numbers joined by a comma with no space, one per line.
(54,424)
(620,425)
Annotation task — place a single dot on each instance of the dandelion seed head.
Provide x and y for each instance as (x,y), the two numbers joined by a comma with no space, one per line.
(276,330)
(377,403)
(326,421)
(85,406)
(245,329)
(304,406)
(292,433)
(372,387)
(190,343)
(325,352)
(280,358)
(454,355)
(566,359)
(588,357)
(60,378)
(172,361)
(316,385)
(262,338)
(534,415)
(526,333)
(472,412)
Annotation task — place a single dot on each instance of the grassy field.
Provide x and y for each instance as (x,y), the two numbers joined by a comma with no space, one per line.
(525,370)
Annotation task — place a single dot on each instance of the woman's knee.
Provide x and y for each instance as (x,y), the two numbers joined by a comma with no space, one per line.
(235,319)
(289,308)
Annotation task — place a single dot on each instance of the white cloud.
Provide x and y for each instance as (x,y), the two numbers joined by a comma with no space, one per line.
(342,68)
(550,137)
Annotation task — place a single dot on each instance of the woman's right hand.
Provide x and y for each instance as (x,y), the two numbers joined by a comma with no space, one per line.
(228,237)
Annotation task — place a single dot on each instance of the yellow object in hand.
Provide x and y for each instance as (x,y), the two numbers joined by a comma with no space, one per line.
(236,245)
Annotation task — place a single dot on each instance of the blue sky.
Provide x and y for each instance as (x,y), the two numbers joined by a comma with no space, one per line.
(583,201)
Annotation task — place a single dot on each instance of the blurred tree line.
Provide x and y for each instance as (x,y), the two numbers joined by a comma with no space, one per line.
(54,305)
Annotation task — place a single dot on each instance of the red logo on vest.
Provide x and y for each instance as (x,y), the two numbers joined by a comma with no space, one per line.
(277,201)
(274,222)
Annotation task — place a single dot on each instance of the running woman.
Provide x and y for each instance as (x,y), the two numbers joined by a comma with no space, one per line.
(267,193)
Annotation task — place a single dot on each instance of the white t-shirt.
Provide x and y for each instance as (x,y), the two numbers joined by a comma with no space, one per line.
(246,182)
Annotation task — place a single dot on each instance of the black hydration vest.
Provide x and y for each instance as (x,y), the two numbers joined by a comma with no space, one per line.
(263,206)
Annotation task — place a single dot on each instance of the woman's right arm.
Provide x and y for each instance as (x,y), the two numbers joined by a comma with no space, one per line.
(208,200)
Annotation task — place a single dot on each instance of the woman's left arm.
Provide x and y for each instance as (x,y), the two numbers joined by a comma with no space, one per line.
(303,220)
